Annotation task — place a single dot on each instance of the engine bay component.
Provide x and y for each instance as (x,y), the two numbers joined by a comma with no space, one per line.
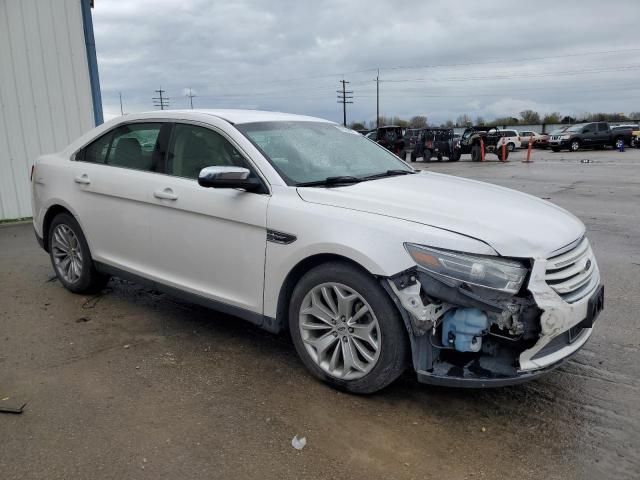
(462,329)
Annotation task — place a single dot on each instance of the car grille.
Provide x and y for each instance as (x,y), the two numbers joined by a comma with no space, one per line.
(573,274)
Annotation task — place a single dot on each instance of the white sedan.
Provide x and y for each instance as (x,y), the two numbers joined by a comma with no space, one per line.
(298,224)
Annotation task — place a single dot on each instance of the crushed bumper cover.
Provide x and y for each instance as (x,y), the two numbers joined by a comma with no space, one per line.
(563,331)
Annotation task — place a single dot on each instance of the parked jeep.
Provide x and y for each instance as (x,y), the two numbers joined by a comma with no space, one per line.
(390,136)
(440,143)
(589,135)
(491,138)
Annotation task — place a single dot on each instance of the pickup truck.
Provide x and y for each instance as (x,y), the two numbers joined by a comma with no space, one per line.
(589,135)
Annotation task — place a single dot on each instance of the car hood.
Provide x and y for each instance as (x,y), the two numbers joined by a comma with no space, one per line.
(514,224)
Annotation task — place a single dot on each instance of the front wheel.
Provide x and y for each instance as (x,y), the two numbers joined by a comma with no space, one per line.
(71,258)
(575,145)
(511,146)
(346,329)
(426,156)
(475,153)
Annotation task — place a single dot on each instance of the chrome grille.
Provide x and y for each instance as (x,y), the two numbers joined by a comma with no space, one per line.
(573,274)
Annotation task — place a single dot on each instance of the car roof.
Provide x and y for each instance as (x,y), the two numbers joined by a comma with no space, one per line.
(230,115)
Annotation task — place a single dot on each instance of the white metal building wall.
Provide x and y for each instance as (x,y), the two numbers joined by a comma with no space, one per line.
(45,91)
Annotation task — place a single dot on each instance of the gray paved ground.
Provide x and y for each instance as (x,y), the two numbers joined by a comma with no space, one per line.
(133,384)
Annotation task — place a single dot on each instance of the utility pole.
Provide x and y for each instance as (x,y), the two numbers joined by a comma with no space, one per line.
(344,97)
(160,100)
(121,109)
(191,95)
(378,100)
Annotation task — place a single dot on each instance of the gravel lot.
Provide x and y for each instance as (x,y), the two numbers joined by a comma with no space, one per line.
(135,384)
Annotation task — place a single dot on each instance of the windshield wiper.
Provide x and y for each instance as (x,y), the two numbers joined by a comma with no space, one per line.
(390,173)
(331,181)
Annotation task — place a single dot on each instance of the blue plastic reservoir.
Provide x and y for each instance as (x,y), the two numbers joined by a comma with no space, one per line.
(462,329)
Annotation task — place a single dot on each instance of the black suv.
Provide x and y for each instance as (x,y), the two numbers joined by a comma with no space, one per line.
(589,135)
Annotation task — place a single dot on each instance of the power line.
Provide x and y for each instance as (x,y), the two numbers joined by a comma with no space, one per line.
(443,65)
(378,100)
(191,95)
(160,101)
(344,97)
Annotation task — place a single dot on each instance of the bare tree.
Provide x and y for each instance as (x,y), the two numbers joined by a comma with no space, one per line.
(418,121)
(463,120)
(480,120)
(530,117)
(553,117)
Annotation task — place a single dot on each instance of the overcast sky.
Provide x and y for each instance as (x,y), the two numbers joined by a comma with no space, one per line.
(436,58)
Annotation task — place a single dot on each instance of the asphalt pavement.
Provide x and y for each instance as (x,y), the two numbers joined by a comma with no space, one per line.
(132,383)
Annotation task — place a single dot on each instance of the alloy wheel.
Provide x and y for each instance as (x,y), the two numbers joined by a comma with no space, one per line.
(340,331)
(67,253)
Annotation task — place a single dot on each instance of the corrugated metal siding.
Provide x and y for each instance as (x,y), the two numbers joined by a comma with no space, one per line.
(45,92)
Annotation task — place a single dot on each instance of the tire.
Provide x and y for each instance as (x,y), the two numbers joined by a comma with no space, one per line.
(414,156)
(618,143)
(455,156)
(426,157)
(555,149)
(499,154)
(574,146)
(81,275)
(439,157)
(382,367)
(475,153)
(511,146)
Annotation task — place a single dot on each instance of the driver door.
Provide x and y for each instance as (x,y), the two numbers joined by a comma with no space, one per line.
(206,241)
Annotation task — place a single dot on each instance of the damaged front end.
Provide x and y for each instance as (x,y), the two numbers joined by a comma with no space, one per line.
(483,321)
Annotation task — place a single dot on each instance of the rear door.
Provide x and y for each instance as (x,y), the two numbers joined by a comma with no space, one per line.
(589,135)
(603,134)
(111,178)
(209,242)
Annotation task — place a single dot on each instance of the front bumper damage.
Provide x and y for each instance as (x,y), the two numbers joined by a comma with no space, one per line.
(531,333)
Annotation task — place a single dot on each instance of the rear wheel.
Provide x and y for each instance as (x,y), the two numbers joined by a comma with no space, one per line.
(71,258)
(511,146)
(346,329)
(619,143)
(455,156)
(427,155)
(439,157)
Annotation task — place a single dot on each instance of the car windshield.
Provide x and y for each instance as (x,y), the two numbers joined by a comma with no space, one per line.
(304,152)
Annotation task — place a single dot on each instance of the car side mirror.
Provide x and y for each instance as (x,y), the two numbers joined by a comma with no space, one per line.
(228,177)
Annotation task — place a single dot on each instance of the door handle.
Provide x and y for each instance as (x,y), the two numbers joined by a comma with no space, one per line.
(165,194)
(82,179)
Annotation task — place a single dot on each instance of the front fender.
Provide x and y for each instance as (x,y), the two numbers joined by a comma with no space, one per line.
(375,242)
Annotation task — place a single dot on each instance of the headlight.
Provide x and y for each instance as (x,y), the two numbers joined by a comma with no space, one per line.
(489,272)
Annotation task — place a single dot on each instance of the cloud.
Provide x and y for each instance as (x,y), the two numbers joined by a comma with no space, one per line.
(458,57)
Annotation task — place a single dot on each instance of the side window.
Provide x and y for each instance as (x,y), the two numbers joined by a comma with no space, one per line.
(602,127)
(135,146)
(97,151)
(131,146)
(194,148)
